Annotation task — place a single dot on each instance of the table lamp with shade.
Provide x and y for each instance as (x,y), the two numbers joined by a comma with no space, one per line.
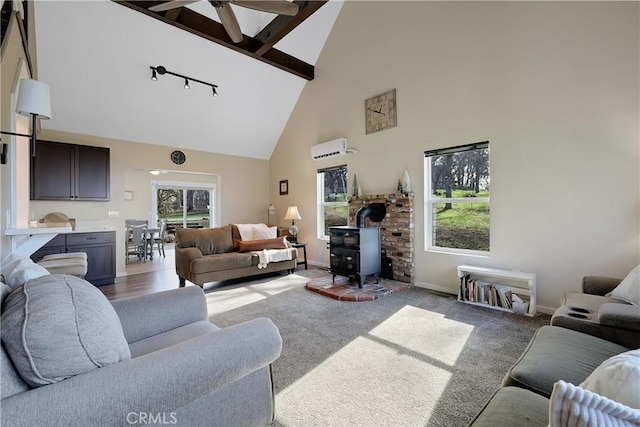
(271,211)
(293,214)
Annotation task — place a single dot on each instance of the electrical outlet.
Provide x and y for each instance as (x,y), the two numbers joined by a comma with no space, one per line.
(113,214)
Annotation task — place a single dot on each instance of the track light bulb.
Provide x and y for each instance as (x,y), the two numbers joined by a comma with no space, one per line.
(186,84)
(154,76)
(215,93)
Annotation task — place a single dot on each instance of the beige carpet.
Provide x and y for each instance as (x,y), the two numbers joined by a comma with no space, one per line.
(413,358)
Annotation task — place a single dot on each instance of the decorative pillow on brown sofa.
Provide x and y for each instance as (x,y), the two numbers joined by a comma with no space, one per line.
(208,240)
(258,245)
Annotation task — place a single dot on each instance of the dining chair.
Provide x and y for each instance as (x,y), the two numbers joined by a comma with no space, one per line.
(159,242)
(136,242)
(131,221)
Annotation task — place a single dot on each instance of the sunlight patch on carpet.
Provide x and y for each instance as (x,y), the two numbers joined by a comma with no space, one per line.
(235,296)
(398,371)
(413,328)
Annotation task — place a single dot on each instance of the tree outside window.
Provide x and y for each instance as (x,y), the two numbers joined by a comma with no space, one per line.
(333,206)
(457,198)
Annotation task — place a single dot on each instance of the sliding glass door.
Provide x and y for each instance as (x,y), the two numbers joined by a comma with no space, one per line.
(184,205)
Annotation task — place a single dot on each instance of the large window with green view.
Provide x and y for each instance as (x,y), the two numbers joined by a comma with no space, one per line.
(457,199)
(333,206)
(184,205)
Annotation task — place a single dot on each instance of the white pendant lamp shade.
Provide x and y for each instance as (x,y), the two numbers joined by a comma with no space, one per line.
(33,98)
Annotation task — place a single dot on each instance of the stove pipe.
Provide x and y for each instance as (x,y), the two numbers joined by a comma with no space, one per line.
(375,212)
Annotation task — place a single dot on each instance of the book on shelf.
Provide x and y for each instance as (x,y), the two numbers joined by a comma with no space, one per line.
(473,290)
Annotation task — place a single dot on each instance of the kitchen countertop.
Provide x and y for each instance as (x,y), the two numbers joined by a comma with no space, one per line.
(89,230)
(52,230)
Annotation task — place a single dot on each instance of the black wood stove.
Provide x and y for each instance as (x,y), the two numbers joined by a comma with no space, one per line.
(355,251)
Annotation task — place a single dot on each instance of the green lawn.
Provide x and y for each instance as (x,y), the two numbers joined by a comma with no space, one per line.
(465,225)
(466,215)
(191,216)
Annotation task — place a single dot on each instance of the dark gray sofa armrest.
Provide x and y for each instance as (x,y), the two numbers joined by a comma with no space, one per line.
(599,285)
(153,314)
(622,316)
(159,382)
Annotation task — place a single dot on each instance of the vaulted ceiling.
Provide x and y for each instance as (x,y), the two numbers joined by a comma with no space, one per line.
(96,57)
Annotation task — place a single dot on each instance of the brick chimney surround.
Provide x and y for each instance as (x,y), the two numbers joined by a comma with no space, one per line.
(397,230)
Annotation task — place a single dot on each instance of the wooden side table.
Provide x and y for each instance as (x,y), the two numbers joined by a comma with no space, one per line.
(304,251)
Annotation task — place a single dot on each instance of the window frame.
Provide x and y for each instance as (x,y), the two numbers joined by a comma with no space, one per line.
(430,201)
(321,204)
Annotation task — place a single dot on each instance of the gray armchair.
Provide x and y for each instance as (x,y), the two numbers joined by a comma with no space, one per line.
(183,371)
(595,314)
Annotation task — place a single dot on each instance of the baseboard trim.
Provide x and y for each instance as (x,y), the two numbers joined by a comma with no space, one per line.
(433,287)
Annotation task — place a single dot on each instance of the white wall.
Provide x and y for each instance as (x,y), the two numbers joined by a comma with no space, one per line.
(554,88)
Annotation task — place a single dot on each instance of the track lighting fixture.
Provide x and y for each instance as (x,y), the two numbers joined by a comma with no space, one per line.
(162,71)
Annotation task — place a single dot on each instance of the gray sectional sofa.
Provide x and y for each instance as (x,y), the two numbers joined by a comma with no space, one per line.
(569,350)
(554,354)
(172,365)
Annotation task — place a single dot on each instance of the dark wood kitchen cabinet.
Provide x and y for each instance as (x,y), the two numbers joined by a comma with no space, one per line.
(355,252)
(100,248)
(62,171)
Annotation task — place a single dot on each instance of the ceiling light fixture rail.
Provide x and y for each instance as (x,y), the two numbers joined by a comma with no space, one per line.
(162,70)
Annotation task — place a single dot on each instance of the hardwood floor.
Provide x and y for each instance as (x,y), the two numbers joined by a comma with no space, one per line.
(141,284)
(147,277)
(152,276)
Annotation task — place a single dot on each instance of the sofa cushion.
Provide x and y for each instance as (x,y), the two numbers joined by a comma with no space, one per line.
(571,405)
(617,378)
(219,262)
(629,289)
(512,406)
(12,383)
(255,231)
(556,353)
(258,245)
(208,240)
(18,269)
(55,327)
(587,302)
(5,290)
(171,337)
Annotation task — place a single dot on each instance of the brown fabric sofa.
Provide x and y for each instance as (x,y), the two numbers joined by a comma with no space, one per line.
(211,254)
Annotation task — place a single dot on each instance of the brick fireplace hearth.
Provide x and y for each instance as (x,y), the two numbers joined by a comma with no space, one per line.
(397,230)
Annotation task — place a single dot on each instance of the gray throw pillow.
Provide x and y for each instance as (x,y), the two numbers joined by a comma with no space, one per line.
(57,326)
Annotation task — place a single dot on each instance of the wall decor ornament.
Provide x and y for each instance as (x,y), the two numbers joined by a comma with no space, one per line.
(284,187)
(406,182)
(380,112)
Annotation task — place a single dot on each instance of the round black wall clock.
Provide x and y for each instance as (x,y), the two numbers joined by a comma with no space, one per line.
(178,157)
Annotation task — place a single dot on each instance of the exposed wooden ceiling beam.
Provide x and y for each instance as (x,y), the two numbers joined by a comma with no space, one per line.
(283,25)
(212,30)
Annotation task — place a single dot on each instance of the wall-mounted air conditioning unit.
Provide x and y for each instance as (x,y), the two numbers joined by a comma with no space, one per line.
(337,147)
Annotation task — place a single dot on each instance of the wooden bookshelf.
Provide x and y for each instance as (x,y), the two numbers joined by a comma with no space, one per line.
(520,283)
